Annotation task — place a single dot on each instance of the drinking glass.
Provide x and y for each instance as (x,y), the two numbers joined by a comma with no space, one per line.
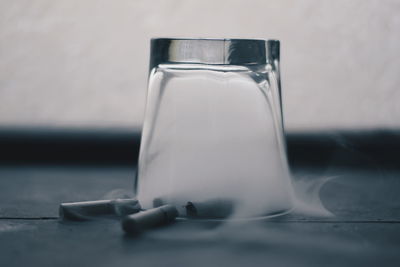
(212,139)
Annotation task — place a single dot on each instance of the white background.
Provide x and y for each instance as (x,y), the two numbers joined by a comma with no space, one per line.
(83,63)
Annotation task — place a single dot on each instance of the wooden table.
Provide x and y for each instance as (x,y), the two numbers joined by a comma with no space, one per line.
(365,230)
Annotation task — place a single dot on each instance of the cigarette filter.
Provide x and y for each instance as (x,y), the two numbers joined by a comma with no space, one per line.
(144,220)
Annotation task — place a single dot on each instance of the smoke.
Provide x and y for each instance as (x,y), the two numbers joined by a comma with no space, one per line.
(267,235)
(213,136)
(122,193)
(307,199)
(213,146)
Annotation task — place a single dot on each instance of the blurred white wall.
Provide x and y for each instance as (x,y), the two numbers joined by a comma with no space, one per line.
(84,63)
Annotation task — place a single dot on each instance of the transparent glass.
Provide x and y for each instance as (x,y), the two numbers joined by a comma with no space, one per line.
(213,136)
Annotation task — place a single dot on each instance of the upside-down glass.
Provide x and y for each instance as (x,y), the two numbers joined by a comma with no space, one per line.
(213,127)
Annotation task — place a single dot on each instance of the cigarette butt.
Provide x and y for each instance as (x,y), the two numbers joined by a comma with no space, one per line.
(79,211)
(144,220)
(210,209)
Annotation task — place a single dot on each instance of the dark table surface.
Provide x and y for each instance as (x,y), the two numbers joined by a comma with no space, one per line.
(364,231)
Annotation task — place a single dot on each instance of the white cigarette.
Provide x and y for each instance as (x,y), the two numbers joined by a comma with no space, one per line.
(89,209)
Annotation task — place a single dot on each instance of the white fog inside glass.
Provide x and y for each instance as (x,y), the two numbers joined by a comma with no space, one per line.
(214,133)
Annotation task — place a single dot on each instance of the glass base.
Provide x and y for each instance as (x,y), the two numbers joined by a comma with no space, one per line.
(234,218)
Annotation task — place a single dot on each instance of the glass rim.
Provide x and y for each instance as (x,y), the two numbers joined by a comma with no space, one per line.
(213,51)
(213,39)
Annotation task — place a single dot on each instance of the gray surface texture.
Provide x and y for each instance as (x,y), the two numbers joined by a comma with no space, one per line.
(364,231)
